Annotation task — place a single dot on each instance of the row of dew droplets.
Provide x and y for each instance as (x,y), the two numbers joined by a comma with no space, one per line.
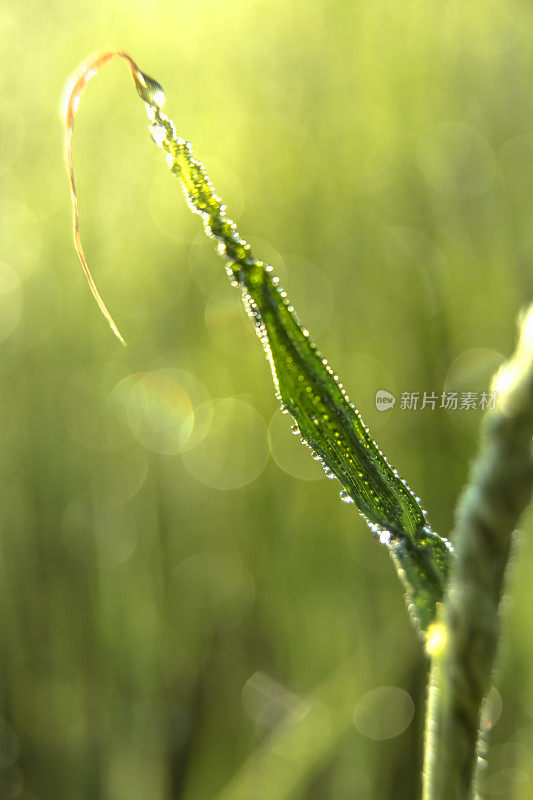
(203,201)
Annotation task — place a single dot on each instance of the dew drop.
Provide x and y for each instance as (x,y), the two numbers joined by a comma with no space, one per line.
(345,497)
(149,89)
(158,134)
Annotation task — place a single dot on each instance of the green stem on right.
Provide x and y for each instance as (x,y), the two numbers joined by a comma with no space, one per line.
(463,641)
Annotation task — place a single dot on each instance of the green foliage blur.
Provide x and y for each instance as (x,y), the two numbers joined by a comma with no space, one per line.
(186,608)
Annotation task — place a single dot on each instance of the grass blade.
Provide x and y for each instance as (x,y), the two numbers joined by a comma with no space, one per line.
(305,384)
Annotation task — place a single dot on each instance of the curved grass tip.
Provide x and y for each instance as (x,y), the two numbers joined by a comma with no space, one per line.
(151,92)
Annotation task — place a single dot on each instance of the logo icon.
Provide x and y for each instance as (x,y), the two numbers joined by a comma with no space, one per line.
(384,400)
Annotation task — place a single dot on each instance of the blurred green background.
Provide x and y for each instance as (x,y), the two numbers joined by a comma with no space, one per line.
(186,609)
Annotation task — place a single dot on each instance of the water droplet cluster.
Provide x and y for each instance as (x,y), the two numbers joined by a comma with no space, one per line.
(306,385)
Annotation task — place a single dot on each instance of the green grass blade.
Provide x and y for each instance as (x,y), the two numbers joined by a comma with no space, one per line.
(308,388)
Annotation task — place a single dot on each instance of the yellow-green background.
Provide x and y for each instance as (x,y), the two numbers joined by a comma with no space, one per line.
(186,609)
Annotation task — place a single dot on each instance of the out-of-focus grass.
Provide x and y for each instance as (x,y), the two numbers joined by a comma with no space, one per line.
(177,607)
